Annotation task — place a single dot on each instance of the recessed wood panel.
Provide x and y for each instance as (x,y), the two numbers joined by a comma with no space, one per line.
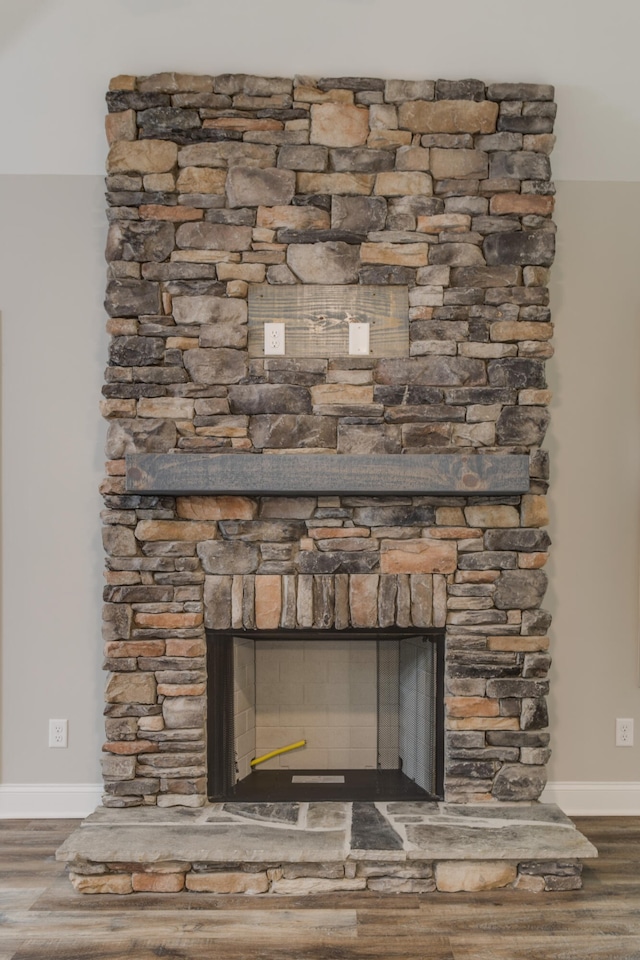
(317,318)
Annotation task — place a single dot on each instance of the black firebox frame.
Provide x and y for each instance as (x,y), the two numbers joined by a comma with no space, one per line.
(272,785)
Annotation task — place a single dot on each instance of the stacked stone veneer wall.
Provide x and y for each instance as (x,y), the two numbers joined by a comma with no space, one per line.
(218,182)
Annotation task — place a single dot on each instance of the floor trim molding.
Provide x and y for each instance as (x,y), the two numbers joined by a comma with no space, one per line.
(26,801)
(592,798)
(23,801)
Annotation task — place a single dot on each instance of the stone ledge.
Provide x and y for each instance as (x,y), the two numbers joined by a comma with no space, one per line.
(262,848)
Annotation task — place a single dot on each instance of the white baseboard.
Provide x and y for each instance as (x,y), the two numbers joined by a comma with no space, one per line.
(23,801)
(31,801)
(585,798)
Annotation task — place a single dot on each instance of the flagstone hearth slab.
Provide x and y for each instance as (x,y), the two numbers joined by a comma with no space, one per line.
(276,834)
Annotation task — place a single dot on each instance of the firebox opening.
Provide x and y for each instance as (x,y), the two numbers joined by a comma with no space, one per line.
(368,703)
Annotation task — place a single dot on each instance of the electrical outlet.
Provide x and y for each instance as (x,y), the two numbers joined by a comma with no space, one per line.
(274,339)
(358,339)
(624,732)
(58,733)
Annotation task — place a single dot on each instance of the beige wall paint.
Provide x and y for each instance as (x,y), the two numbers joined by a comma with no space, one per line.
(594,441)
(52,279)
(51,283)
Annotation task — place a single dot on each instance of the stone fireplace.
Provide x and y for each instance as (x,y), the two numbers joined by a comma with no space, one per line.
(316,494)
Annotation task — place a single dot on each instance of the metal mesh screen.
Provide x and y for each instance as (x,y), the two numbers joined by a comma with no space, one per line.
(407,709)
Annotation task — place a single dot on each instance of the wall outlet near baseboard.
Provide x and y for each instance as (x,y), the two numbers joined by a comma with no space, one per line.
(58,733)
(624,732)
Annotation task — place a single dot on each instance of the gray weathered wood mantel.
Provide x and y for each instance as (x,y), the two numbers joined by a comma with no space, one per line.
(170,474)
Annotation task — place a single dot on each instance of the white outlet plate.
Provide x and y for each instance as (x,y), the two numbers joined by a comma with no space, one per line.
(358,339)
(624,732)
(274,339)
(58,733)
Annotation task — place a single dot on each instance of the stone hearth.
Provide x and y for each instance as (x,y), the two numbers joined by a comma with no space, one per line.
(306,848)
(423,209)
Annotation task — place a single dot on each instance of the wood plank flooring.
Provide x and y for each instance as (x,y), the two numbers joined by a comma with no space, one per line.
(42,918)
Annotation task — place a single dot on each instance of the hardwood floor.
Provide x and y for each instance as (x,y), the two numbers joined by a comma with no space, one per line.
(42,918)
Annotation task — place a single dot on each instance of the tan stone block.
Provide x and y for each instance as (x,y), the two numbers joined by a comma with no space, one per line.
(305,93)
(336,183)
(176,530)
(406,184)
(177,214)
(123,81)
(453,533)
(293,218)
(529,884)
(363,599)
(169,621)
(201,180)
(158,882)
(539,143)
(492,516)
(216,508)
(120,126)
(231,882)
(403,254)
(142,156)
(268,602)
(327,533)
(439,601)
(238,288)
(451,222)
(130,747)
(449,517)
(182,343)
(532,561)
(134,648)
(477,576)
(535,348)
(246,272)
(459,164)
(172,408)
(518,644)
(418,556)
(534,511)
(339,124)
(453,876)
(511,330)
(388,139)
(102,883)
(535,398)
(341,393)
(131,688)
(169,82)
(483,723)
(152,724)
(117,408)
(186,648)
(182,689)
(122,326)
(160,181)
(521,204)
(472,707)
(448,116)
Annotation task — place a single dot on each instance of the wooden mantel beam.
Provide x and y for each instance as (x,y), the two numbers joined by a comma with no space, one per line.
(298,474)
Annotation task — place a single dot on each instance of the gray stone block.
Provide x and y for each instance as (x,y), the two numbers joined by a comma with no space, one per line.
(132,298)
(520,589)
(522,248)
